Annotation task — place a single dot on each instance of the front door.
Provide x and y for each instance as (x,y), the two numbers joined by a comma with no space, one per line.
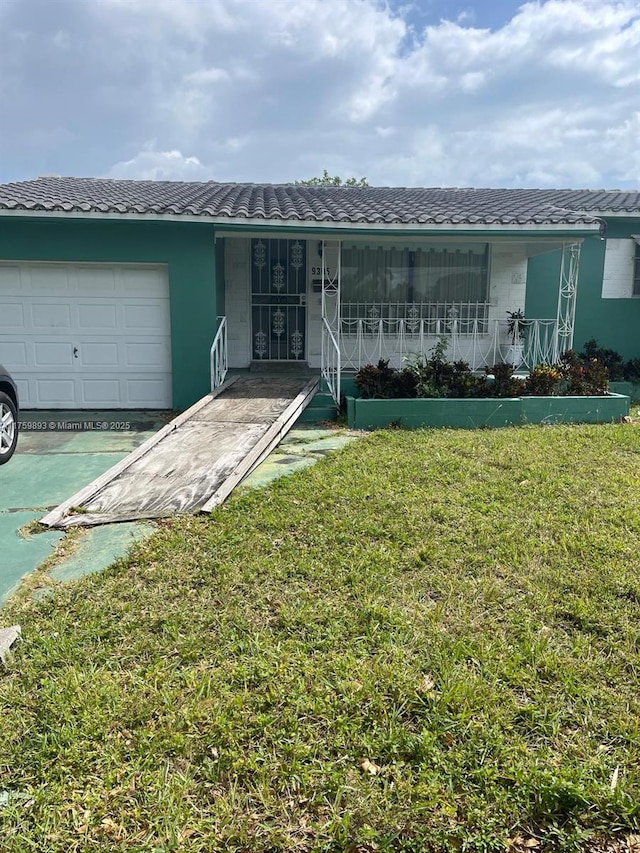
(278,300)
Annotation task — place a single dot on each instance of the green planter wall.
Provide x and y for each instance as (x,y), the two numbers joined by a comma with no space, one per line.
(629,389)
(574,410)
(476,413)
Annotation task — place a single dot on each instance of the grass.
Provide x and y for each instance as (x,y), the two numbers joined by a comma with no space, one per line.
(429,641)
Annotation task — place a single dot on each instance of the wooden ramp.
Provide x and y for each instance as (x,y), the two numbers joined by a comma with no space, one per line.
(194,462)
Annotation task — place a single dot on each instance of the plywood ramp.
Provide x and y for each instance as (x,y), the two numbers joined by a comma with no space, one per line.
(193,463)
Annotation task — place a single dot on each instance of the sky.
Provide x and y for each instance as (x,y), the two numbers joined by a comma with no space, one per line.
(419,93)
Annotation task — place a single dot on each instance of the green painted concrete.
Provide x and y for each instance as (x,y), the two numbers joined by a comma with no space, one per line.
(21,555)
(574,410)
(301,448)
(48,467)
(321,408)
(412,414)
(348,385)
(42,481)
(186,248)
(98,547)
(475,414)
(615,323)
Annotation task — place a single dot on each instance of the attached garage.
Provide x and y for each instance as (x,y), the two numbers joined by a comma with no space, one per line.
(86,336)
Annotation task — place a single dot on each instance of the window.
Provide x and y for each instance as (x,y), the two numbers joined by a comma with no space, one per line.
(621,276)
(436,274)
(445,286)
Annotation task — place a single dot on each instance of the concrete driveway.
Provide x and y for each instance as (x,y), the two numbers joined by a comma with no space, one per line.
(59,453)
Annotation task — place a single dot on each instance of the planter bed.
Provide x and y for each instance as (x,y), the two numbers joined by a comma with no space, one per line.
(630,389)
(483,412)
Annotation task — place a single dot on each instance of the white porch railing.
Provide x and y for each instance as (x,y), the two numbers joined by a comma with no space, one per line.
(331,361)
(438,316)
(481,343)
(218,356)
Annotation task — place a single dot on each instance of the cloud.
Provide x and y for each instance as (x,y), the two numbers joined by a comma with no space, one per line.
(151,165)
(359,87)
(207,76)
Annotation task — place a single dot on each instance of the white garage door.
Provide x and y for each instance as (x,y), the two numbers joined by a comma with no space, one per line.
(86,335)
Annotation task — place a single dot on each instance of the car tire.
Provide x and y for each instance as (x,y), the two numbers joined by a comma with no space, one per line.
(8,427)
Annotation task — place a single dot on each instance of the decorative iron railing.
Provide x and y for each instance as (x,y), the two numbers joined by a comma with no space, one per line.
(331,361)
(480,342)
(438,318)
(219,363)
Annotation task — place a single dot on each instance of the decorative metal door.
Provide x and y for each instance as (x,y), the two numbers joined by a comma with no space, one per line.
(278,299)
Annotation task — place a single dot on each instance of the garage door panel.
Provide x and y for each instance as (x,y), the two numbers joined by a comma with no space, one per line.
(51,315)
(103,355)
(145,317)
(54,392)
(97,317)
(80,335)
(10,280)
(152,392)
(140,282)
(11,317)
(14,355)
(47,280)
(101,392)
(52,354)
(145,353)
(97,281)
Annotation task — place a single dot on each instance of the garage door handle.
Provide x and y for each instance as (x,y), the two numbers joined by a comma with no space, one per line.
(75,352)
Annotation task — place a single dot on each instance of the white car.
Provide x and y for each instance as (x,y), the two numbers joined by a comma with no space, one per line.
(8,416)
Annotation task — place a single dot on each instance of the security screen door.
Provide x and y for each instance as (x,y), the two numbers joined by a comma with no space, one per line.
(278,299)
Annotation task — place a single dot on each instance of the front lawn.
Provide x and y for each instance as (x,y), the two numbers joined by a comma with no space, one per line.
(429,641)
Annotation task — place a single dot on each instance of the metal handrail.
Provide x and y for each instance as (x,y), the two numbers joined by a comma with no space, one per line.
(219,363)
(331,361)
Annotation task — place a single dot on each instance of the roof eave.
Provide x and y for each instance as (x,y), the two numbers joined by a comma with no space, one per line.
(610,214)
(236,224)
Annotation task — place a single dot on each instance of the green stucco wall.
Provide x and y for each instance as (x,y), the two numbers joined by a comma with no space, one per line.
(220,280)
(615,323)
(187,249)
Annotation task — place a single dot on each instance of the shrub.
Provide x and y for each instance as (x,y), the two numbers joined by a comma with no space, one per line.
(632,370)
(504,384)
(583,376)
(437,377)
(611,359)
(543,381)
(382,382)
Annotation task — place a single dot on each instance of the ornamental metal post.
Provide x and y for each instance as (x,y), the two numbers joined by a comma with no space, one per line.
(567,288)
(331,332)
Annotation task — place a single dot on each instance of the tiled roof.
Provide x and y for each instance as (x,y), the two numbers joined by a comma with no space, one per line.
(362,205)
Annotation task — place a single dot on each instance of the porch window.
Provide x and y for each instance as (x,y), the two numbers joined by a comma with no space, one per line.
(436,283)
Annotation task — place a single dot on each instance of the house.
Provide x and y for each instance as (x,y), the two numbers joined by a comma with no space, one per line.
(138,294)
